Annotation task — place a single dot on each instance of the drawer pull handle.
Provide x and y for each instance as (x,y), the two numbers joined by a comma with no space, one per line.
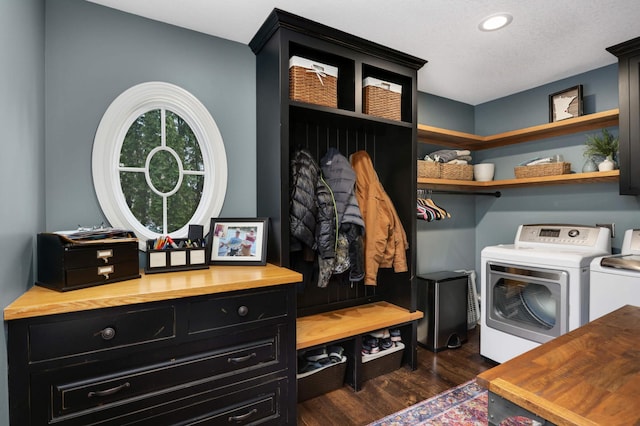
(240,359)
(104,255)
(242,417)
(108,333)
(243,311)
(108,392)
(105,271)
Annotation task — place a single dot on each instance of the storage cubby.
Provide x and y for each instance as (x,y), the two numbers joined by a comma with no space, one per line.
(346,71)
(285,126)
(405,82)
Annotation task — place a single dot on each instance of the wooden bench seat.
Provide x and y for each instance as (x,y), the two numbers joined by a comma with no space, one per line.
(326,327)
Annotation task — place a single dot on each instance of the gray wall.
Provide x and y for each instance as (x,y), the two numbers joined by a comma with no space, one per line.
(94,54)
(446,244)
(22,171)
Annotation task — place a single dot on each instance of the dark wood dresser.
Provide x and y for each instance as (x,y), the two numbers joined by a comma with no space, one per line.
(214,346)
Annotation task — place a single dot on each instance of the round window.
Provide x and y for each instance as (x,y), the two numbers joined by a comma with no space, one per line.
(159,162)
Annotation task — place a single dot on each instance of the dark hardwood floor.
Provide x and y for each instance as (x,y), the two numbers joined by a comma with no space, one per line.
(392,392)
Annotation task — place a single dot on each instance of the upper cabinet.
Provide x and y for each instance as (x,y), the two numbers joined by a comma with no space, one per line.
(628,54)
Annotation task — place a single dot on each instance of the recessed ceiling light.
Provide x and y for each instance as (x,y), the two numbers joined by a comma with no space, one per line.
(495,22)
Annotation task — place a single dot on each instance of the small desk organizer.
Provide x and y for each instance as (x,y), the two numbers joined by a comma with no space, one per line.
(175,259)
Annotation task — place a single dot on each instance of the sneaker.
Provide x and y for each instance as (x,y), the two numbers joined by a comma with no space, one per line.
(318,355)
(370,345)
(386,343)
(381,334)
(335,353)
(395,335)
(306,366)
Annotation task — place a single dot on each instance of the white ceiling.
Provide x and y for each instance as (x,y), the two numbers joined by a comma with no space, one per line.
(547,40)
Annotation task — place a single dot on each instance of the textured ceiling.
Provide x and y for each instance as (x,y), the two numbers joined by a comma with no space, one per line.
(547,40)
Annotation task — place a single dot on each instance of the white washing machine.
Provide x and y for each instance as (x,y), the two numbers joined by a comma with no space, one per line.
(615,280)
(537,288)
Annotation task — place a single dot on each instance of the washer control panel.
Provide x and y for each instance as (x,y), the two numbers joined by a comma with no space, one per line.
(564,235)
(631,243)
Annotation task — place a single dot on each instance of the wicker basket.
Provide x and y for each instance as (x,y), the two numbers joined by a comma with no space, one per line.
(456,171)
(381,98)
(313,82)
(428,169)
(549,169)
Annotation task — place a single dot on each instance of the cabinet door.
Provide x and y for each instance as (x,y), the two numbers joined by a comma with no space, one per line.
(629,73)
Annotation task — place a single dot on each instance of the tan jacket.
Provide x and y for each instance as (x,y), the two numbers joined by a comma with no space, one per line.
(385,241)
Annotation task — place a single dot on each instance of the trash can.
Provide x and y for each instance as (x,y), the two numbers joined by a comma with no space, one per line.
(442,296)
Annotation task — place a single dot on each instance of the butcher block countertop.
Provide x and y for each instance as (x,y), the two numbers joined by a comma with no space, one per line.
(39,301)
(589,376)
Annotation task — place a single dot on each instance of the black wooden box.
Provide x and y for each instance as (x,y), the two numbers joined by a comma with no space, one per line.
(67,264)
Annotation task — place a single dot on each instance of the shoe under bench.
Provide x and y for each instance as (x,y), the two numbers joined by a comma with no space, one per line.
(346,327)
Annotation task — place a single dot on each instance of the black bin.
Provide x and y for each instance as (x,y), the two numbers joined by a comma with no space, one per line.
(442,296)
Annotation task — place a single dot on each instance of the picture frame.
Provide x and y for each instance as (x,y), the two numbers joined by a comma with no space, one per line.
(238,241)
(565,104)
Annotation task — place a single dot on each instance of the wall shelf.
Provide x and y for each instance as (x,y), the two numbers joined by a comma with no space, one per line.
(461,140)
(574,178)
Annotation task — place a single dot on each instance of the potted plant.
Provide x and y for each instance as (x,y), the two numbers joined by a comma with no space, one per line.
(602,147)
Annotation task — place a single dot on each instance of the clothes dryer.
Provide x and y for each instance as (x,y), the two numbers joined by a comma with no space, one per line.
(615,280)
(537,288)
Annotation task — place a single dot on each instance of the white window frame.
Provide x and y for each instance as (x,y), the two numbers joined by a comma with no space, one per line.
(113,127)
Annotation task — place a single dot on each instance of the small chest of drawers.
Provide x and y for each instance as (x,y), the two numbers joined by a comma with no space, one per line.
(65,265)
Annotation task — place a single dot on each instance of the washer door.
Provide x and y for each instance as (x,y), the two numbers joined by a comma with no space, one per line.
(527,302)
(540,303)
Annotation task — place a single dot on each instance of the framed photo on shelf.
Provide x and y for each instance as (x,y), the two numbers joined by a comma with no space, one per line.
(238,241)
(565,104)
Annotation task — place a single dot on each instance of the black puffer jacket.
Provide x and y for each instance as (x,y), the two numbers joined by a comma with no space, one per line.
(303,209)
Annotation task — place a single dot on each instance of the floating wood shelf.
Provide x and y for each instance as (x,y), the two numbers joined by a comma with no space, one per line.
(574,178)
(461,140)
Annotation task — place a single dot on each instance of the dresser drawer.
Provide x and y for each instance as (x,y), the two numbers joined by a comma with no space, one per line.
(255,404)
(100,255)
(118,388)
(100,274)
(103,331)
(221,312)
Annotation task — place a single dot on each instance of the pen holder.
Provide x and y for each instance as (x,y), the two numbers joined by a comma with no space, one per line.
(184,256)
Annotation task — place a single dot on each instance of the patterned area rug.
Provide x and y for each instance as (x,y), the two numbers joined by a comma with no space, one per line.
(462,405)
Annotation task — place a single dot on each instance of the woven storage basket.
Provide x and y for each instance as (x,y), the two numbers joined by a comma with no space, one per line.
(456,171)
(313,82)
(381,98)
(550,169)
(428,169)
